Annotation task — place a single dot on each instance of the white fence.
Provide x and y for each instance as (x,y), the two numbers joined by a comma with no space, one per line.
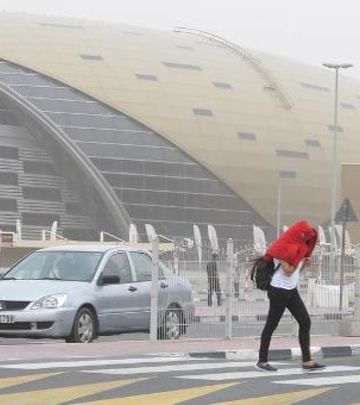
(227,304)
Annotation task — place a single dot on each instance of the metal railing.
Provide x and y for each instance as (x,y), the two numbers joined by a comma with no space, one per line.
(227,304)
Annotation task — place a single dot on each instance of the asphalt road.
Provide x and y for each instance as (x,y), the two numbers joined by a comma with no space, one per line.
(174,379)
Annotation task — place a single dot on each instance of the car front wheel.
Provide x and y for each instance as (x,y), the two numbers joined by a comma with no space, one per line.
(84,328)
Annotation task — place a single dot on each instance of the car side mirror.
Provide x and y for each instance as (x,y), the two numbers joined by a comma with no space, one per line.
(109,279)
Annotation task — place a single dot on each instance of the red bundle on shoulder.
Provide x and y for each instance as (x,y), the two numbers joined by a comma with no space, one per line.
(297,243)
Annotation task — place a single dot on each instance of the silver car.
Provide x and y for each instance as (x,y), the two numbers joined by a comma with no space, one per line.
(79,292)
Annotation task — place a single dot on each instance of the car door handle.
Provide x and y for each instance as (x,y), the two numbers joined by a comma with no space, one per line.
(132,288)
(163,285)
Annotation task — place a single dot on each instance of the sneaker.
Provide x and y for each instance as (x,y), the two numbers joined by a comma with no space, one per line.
(314,367)
(265,367)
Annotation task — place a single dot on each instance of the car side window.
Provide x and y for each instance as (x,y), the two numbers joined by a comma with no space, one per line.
(118,265)
(143,266)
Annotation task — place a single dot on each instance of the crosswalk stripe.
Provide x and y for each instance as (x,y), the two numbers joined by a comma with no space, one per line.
(164,398)
(23,379)
(318,382)
(280,399)
(94,363)
(258,374)
(53,396)
(169,368)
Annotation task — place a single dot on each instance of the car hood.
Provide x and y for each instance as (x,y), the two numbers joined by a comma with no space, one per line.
(31,290)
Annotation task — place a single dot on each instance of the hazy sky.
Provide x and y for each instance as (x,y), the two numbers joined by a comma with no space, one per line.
(313,31)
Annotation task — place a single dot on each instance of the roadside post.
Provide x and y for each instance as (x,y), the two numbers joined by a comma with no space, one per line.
(345,214)
(154,289)
(229,285)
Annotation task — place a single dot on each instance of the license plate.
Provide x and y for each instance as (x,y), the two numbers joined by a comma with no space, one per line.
(7,319)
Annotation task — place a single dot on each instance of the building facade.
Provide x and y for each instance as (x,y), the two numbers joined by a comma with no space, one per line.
(106,125)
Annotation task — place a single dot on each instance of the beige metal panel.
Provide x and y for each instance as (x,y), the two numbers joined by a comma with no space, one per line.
(249,168)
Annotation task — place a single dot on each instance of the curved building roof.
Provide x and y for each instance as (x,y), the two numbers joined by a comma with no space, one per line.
(245,116)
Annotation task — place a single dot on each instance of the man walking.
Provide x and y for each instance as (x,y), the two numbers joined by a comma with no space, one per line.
(213,280)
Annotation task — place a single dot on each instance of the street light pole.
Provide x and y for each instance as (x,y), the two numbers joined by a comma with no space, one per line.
(334,169)
(283,174)
(278,207)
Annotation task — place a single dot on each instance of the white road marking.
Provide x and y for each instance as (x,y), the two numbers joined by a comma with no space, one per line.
(318,382)
(169,368)
(94,363)
(261,374)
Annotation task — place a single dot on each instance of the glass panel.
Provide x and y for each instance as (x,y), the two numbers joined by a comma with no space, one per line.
(8,118)
(203,112)
(8,152)
(247,136)
(31,218)
(181,66)
(118,265)
(292,154)
(71,106)
(9,178)
(39,193)
(143,266)
(221,85)
(34,167)
(7,204)
(143,76)
(91,57)
(315,87)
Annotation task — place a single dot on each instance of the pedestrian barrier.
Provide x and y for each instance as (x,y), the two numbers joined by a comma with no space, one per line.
(227,304)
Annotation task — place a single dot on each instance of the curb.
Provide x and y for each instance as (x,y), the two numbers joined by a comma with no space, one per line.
(280,354)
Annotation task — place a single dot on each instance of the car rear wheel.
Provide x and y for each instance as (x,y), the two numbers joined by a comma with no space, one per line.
(84,328)
(172,324)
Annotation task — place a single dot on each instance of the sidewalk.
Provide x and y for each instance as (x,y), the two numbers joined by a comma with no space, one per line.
(238,348)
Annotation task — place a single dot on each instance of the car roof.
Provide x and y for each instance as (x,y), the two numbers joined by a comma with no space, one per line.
(94,247)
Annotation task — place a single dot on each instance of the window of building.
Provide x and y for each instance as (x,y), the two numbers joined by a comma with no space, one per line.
(131,32)
(9,152)
(222,85)
(202,111)
(313,143)
(292,154)
(36,219)
(7,204)
(81,234)
(339,129)
(55,25)
(143,76)
(73,208)
(186,47)
(181,66)
(41,193)
(8,178)
(36,167)
(315,87)
(7,118)
(347,106)
(287,174)
(91,57)
(248,136)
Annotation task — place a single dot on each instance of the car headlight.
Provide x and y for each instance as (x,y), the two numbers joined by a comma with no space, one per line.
(50,301)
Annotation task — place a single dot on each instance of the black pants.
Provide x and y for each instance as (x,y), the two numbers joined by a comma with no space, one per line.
(237,289)
(280,299)
(214,286)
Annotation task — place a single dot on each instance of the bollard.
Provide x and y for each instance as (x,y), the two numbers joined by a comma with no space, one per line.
(229,285)
(154,290)
(357,288)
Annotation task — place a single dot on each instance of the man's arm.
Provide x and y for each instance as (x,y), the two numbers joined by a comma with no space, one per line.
(287,267)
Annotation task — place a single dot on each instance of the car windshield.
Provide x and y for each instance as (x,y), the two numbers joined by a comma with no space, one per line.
(56,265)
